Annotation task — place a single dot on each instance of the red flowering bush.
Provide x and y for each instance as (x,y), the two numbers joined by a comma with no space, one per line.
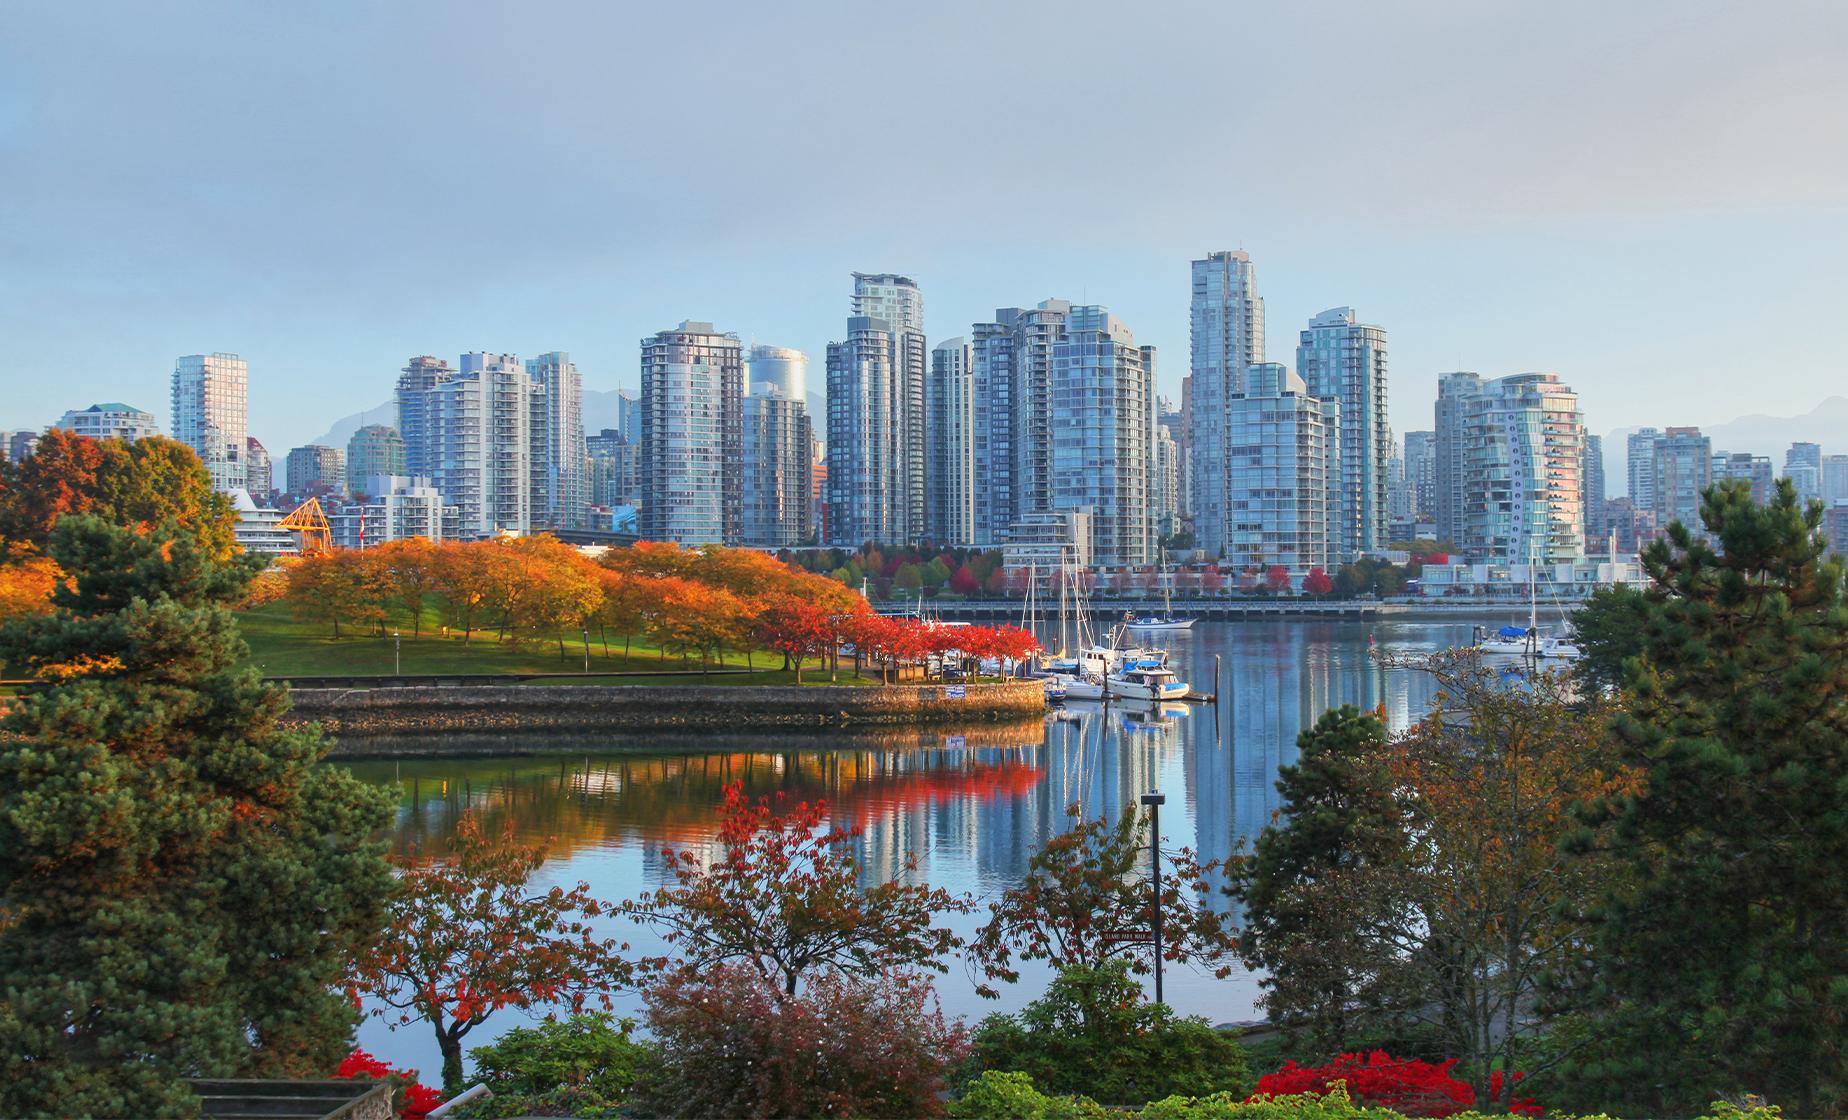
(1405,1085)
(412,1100)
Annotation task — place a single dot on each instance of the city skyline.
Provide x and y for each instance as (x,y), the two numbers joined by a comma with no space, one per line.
(1486,232)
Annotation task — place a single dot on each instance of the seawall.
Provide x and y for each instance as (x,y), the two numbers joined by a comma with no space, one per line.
(644,708)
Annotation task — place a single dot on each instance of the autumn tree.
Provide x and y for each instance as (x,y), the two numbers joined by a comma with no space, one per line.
(408,570)
(1725,952)
(336,587)
(183,880)
(1317,583)
(1086,889)
(797,629)
(26,585)
(783,897)
(466,578)
(135,484)
(466,937)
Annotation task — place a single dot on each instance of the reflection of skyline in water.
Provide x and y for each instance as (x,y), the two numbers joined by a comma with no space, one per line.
(972,806)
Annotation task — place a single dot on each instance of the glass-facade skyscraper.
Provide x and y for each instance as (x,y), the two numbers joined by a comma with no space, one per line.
(1226,323)
(950,486)
(1102,435)
(1523,450)
(211,411)
(876,416)
(1285,446)
(777,433)
(1344,360)
(692,436)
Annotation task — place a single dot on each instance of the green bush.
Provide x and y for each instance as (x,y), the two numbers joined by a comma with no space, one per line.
(1092,1034)
(582,1066)
(997,1095)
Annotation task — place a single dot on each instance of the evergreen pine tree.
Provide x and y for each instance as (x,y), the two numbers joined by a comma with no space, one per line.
(1725,968)
(181,885)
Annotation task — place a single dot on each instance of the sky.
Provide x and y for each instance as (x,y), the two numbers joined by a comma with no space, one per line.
(1650,199)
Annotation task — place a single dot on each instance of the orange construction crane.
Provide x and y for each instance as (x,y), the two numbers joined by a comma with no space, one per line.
(308,520)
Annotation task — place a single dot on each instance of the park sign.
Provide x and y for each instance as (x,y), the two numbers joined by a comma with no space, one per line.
(955,692)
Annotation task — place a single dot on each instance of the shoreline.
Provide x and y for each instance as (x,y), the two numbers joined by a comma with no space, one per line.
(644,709)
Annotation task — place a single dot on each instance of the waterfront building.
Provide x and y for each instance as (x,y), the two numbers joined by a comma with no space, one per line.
(1455,391)
(1573,579)
(1044,543)
(1101,454)
(112,420)
(950,426)
(259,472)
(1803,466)
(1524,446)
(692,436)
(420,376)
(1344,360)
(374,451)
(1284,447)
(1591,476)
(256,530)
(211,406)
(777,436)
(876,415)
(1640,467)
(1226,333)
(1755,469)
(1011,370)
(1834,479)
(1682,472)
(1421,474)
(315,471)
(560,463)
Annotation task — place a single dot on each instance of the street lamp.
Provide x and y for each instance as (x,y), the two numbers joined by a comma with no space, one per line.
(1155,800)
(586,649)
(397,653)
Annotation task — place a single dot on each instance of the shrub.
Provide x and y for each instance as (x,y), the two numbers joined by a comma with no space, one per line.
(585,1065)
(409,1099)
(732,1043)
(1093,1034)
(998,1095)
(1410,1086)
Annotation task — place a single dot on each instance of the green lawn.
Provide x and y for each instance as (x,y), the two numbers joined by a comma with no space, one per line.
(282,646)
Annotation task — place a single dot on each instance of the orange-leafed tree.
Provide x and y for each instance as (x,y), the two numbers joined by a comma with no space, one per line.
(544,584)
(621,606)
(467,937)
(784,898)
(797,629)
(26,586)
(135,485)
(336,587)
(408,571)
(466,576)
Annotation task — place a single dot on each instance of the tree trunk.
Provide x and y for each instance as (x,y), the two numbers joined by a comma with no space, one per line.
(798,667)
(604,636)
(451,1045)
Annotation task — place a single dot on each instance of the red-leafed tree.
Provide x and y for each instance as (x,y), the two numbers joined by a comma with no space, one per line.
(784,898)
(964,582)
(1276,579)
(1212,580)
(1086,889)
(1317,582)
(466,939)
(797,629)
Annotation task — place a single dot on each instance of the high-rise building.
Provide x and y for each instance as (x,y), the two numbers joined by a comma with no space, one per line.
(560,462)
(480,434)
(876,415)
(1226,328)
(1103,417)
(1011,363)
(1639,451)
(1455,391)
(110,421)
(259,472)
(420,376)
(1755,469)
(629,417)
(211,406)
(1165,482)
(777,509)
(615,469)
(950,427)
(1173,426)
(1421,474)
(1591,476)
(18,446)
(692,436)
(1284,450)
(1835,479)
(1344,360)
(1682,471)
(374,451)
(315,471)
(1524,446)
(1803,466)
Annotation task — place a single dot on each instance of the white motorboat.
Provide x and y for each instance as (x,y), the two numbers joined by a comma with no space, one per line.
(1146,680)
(1085,687)
(1166,620)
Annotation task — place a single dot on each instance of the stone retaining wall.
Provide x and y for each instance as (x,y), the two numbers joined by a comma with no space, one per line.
(657,707)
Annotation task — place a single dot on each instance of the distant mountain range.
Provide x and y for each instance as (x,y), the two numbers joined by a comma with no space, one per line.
(1758,434)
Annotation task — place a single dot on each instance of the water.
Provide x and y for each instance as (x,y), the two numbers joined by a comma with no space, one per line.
(972,803)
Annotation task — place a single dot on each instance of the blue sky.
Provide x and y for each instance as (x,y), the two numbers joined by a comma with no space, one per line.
(1650,199)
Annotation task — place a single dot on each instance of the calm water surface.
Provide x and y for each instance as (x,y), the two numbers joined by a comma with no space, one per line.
(971,803)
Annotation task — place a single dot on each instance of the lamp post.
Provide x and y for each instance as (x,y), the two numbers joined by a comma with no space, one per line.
(1154,800)
(587,649)
(397,653)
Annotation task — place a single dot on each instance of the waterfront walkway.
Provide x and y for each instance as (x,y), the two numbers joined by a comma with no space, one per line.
(1235,608)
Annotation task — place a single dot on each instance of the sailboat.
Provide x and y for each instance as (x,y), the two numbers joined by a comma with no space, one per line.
(1513,641)
(1166,619)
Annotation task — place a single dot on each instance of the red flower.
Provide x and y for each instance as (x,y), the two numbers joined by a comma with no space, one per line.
(1406,1085)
